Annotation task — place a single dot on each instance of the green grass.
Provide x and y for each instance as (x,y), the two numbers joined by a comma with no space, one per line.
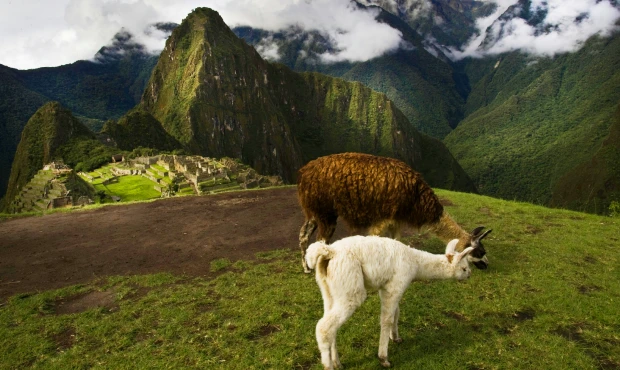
(219,264)
(130,188)
(158,168)
(548,300)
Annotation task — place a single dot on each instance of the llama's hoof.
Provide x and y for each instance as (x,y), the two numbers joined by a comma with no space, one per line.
(306,271)
(398,340)
(384,362)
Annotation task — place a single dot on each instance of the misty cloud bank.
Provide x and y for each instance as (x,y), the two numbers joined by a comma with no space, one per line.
(353,32)
(63,31)
(563,27)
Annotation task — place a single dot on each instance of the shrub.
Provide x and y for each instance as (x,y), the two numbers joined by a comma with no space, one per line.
(614,209)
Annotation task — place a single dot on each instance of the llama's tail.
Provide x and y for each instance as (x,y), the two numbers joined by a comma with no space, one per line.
(318,251)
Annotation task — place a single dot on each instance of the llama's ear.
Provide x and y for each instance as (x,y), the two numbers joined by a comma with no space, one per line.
(462,255)
(450,248)
(480,237)
(477,231)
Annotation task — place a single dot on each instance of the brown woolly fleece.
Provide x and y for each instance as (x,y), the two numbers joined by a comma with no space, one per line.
(374,195)
(365,190)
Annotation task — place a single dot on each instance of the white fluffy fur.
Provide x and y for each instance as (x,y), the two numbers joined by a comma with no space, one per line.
(348,267)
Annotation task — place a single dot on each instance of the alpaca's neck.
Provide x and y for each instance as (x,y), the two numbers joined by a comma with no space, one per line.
(430,266)
(447,229)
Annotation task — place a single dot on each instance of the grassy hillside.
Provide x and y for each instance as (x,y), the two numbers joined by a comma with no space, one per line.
(140,129)
(530,122)
(548,300)
(594,185)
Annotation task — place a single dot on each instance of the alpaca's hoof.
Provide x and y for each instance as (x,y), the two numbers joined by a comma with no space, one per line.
(384,362)
(398,340)
(307,271)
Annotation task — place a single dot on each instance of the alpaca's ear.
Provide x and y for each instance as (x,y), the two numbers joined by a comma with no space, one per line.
(451,246)
(462,255)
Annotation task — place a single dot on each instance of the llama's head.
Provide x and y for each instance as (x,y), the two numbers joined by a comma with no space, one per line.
(458,260)
(479,255)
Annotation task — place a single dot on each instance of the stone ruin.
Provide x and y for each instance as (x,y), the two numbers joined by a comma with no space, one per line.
(203,174)
(170,173)
(44,191)
(173,173)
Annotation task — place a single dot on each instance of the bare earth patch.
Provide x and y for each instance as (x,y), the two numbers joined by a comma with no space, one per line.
(176,235)
(65,339)
(84,302)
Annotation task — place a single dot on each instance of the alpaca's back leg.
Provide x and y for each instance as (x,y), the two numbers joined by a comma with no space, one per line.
(394,335)
(342,307)
(390,297)
(326,330)
(307,229)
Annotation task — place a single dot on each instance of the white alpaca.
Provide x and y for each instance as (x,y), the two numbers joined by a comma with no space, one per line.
(346,268)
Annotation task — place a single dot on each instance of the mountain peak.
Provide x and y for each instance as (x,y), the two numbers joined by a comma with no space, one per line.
(214,93)
(47,130)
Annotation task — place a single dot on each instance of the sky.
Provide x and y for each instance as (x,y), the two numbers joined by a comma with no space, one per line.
(37,33)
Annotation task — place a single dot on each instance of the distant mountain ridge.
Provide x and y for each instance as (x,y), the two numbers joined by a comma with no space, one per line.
(446,22)
(422,86)
(228,101)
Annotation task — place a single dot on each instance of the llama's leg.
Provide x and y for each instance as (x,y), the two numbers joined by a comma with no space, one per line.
(389,307)
(328,304)
(394,230)
(327,227)
(388,228)
(304,236)
(380,228)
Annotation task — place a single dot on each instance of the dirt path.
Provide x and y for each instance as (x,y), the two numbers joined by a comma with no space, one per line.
(177,235)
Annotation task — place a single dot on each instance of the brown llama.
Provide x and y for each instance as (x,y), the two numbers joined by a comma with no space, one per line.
(374,195)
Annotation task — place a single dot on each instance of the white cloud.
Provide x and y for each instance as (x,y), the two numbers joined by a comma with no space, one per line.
(39,33)
(354,32)
(566,26)
(412,8)
(268,49)
(50,33)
